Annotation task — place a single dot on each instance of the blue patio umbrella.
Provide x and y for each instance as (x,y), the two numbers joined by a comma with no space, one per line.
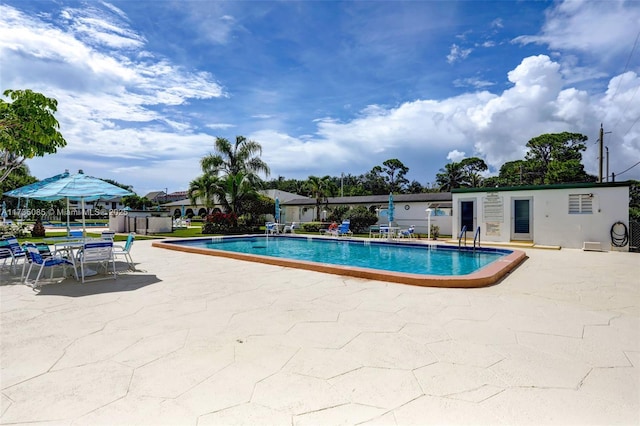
(77,187)
(25,191)
(277,215)
(4,211)
(391,208)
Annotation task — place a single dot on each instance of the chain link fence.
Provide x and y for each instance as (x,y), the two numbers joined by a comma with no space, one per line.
(634,236)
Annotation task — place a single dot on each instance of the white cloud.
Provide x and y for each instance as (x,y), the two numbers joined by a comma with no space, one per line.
(602,29)
(457,53)
(472,82)
(120,102)
(495,127)
(124,89)
(455,156)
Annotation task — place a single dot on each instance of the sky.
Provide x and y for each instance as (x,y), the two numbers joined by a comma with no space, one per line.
(325,87)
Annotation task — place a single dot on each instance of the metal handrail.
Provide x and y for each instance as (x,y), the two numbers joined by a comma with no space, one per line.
(477,235)
(463,232)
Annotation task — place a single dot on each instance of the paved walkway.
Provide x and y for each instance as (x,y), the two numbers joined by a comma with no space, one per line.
(202,340)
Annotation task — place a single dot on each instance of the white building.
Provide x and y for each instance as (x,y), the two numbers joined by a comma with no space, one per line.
(567,215)
(409,209)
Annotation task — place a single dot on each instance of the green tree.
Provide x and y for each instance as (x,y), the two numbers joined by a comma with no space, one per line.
(557,158)
(203,190)
(471,168)
(450,177)
(230,159)
(136,202)
(360,219)
(320,188)
(395,173)
(374,181)
(236,190)
(237,166)
(415,187)
(28,129)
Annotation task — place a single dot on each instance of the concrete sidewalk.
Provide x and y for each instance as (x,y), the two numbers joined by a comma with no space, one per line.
(193,339)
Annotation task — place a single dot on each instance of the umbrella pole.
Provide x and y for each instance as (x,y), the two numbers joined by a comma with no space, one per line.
(68,223)
(84,228)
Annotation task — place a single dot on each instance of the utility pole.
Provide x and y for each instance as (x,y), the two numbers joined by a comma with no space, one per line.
(607,148)
(601,142)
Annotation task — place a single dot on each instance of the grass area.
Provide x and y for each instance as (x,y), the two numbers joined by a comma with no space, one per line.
(53,234)
(184,233)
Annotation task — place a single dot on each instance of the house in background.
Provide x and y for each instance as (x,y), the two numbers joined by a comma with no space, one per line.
(409,209)
(577,215)
(183,207)
(162,197)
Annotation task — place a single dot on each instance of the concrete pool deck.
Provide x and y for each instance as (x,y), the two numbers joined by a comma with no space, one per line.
(192,339)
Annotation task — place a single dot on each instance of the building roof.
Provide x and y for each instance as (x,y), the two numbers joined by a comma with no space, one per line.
(154,194)
(541,187)
(428,197)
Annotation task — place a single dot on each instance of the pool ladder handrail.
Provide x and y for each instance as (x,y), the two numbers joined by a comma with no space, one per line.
(476,236)
(463,232)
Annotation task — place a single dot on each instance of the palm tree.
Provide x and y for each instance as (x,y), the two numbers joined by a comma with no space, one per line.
(243,156)
(320,188)
(236,166)
(234,190)
(452,176)
(204,188)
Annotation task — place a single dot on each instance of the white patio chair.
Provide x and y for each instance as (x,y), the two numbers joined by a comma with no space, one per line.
(99,253)
(270,228)
(108,235)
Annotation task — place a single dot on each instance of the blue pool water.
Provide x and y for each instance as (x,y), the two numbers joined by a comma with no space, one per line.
(408,258)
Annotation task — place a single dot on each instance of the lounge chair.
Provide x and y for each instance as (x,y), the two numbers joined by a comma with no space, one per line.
(125,251)
(342,229)
(270,228)
(407,233)
(291,228)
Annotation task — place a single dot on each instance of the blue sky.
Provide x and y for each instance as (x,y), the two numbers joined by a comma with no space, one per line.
(144,87)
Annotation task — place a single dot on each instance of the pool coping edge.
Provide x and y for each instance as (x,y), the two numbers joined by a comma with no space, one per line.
(486,276)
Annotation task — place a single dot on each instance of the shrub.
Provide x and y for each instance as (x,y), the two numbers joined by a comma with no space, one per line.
(338,213)
(361,219)
(38,229)
(311,227)
(219,223)
(17,230)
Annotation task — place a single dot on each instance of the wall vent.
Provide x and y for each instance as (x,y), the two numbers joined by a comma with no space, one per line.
(591,246)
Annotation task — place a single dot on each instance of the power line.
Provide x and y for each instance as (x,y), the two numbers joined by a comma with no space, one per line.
(634,123)
(624,171)
(635,43)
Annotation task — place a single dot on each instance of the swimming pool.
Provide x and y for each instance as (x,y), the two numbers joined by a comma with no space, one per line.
(409,263)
